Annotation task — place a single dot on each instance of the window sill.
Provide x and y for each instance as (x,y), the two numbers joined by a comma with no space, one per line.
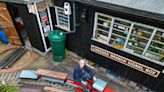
(64,28)
(123,50)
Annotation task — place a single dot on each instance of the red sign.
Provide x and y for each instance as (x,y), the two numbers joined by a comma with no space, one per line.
(44,18)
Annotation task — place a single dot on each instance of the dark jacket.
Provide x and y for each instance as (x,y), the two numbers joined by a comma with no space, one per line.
(78,72)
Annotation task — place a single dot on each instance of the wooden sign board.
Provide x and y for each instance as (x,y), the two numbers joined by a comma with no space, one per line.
(118,58)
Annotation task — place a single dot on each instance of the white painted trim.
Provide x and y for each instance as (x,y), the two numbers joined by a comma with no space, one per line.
(139,24)
(149,42)
(131,27)
(102,14)
(110,30)
(57,19)
(128,36)
(49,16)
(61,27)
(95,25)
(40,27)
(50,22)
(96,21)
(69,22)
(47,51)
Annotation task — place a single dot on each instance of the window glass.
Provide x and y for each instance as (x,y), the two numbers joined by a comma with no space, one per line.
(156,48)
(139,38)
(102,27)
(119,34)
(63,20)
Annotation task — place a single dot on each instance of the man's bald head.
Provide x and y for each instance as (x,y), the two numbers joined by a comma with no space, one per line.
(82,63)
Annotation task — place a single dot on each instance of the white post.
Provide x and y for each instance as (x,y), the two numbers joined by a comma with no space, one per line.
(40,27)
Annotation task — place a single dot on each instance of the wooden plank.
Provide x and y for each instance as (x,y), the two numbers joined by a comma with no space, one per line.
(53,74)
(3,6)
(13,37)
(51,89)
(5,18)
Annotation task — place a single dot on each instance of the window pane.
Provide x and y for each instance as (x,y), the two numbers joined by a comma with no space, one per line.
(102,27)
(156,48)
(63,19)
(139,38)
(119,33)
(135,38)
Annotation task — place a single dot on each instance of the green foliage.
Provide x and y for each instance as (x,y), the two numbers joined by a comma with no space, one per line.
(8,88)
(66,52)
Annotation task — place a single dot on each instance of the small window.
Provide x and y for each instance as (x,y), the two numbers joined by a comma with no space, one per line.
(63,20)
(120,31)
(156,48)
(139,38)
(102,27)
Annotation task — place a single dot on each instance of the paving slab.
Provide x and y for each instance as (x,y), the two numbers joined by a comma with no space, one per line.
(29,90)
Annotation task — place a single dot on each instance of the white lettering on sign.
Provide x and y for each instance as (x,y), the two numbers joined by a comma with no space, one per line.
(118,58)
(150,71)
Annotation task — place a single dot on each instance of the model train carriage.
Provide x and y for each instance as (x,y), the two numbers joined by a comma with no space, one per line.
(61,78)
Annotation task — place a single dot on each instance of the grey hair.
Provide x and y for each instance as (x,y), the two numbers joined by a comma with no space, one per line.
(85,60)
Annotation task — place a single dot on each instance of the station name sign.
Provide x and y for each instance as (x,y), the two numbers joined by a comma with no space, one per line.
(118,58)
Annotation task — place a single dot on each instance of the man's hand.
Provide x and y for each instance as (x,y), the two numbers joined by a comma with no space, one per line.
(94,78)
(84,83)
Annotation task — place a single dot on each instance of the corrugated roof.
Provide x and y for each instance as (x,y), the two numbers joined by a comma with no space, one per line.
(21,1)
(154,6)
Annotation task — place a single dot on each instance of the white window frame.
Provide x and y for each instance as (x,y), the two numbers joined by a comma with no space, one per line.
(57,19)
(95,25)
(123,49)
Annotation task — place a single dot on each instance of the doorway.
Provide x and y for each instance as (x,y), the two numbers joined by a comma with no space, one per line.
(15,14)
(7,25)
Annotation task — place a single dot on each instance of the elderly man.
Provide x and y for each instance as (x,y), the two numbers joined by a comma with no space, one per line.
(82,72)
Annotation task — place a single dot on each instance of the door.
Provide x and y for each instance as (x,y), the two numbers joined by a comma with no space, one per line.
(7,24)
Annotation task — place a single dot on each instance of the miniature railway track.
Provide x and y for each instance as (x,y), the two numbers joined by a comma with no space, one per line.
(14,79)
(46,83)
(10,77)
